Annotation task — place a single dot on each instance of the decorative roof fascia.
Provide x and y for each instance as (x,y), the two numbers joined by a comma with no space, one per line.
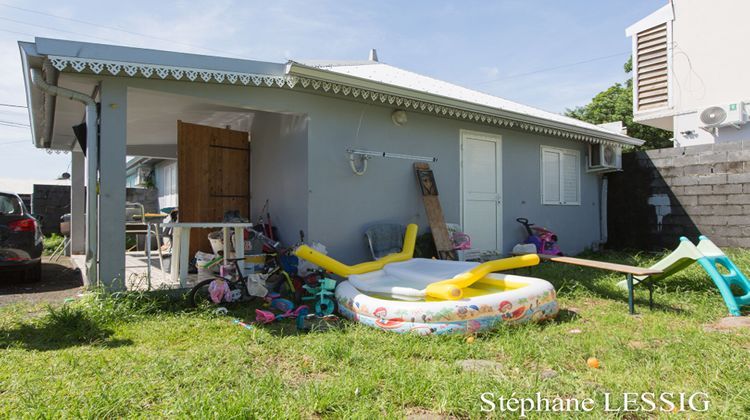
(154,71)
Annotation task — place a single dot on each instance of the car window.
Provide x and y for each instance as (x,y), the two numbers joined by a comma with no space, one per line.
(10,205)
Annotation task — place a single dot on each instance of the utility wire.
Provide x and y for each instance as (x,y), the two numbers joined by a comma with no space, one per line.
(14,106)
(58,30)
(591,60)
(14,125)
(15,142)
(18,33)
(114,28)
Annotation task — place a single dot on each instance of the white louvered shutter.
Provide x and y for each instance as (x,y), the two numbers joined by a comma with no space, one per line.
(652,71)
(570,182)
(551,192)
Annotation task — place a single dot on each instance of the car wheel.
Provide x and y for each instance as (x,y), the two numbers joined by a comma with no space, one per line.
(34,273)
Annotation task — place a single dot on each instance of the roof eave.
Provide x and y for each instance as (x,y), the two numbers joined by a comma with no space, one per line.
(297,69)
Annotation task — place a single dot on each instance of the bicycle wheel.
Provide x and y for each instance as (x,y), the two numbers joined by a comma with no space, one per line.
(199,295)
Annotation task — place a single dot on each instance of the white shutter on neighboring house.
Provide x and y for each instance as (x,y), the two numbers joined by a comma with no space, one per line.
(560,176)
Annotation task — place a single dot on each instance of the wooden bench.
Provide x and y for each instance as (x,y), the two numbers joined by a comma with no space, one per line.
(628,270)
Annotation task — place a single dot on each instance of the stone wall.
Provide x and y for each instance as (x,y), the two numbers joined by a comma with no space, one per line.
(666,193)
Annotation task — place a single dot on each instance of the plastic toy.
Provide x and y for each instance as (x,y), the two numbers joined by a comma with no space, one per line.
(544,240)
(401,294)
(593,363)
(323,293)
(713,260)
(266,317)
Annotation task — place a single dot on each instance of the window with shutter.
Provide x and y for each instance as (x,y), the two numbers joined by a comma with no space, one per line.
(651,68)
(560,173)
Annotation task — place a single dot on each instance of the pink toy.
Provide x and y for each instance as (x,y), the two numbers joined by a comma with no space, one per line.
(218,290)
(267,317)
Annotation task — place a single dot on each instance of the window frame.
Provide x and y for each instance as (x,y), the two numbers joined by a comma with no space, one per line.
(561,151)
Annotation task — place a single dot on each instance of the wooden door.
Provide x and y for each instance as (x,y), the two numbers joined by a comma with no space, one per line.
(213,177)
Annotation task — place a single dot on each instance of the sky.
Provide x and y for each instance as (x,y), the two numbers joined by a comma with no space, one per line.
(548,54)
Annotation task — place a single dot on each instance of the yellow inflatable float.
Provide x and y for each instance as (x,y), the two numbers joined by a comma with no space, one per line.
(401,293)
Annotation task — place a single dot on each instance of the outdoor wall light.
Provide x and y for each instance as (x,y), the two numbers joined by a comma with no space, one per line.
(399,117)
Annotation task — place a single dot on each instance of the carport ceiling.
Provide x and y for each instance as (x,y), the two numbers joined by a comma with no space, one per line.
(152,115)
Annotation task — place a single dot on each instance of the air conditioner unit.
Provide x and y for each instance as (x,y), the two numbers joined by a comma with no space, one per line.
(724,115)
(142,176)
(604,158)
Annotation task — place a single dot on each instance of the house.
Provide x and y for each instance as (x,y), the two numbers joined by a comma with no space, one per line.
(690,71)
(160,174)
(308,129)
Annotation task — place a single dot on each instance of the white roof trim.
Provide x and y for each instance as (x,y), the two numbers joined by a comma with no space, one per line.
(665,14)
(327,82)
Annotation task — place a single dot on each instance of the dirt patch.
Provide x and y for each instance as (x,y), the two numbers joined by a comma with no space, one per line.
(729,323)
(423,414)
(481,366)
(60,280)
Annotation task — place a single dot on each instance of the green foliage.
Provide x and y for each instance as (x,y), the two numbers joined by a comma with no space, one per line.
(51,243)
(616,104)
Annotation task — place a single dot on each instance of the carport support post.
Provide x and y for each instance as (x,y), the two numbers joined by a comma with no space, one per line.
(112,155)
(77,203)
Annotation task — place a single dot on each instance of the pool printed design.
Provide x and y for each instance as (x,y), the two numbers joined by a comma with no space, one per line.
(457,319)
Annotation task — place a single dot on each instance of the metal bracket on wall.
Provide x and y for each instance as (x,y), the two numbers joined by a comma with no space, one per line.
(359,157)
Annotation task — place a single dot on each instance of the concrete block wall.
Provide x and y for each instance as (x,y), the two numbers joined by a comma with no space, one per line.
(50,202)
(663,194)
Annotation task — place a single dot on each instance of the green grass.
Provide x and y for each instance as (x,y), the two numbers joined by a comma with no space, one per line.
(146,356)
(51,242)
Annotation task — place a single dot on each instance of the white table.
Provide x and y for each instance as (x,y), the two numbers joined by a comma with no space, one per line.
(181,245)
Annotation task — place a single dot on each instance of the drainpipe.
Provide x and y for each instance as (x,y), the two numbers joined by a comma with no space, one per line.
(92,157)
(604,234)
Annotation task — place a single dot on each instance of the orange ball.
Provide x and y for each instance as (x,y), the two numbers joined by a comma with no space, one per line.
(470,339)
(593,362)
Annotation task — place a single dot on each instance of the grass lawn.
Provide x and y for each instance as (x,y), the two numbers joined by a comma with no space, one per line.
(141,356)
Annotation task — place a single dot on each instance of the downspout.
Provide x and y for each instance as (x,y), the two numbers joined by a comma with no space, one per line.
(92,157)
(604,234)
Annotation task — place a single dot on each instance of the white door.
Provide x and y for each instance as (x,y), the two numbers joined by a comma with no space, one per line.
(481,189)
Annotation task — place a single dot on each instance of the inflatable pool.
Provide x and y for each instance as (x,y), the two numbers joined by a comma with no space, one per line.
(494,300)
(404,294)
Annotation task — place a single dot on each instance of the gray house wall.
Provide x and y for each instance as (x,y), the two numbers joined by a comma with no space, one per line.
(343,204)
(278,171)
(340,204)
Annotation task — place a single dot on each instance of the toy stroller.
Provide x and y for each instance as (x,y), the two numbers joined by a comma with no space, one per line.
(544,240)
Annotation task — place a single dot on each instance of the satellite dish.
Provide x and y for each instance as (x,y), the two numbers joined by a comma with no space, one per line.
(713,115)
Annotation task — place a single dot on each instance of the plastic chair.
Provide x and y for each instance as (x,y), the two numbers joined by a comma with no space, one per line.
(384,239)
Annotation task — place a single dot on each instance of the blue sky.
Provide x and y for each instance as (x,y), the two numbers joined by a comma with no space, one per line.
(520,50)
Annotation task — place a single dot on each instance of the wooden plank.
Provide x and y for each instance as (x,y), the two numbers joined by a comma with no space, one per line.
(430,198)
(213,178)
(620,268)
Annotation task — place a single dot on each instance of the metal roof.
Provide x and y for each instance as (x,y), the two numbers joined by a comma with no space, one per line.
(384,73)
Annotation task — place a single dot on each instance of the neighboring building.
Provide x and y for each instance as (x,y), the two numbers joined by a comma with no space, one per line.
(245,133)
(690,70)
(160,174)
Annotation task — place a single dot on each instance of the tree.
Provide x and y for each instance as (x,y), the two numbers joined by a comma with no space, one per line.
(616,104)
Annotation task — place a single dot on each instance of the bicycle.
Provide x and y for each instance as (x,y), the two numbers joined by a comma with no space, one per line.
(275,278)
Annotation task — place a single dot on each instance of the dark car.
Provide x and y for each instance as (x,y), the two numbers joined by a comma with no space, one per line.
(20,239)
